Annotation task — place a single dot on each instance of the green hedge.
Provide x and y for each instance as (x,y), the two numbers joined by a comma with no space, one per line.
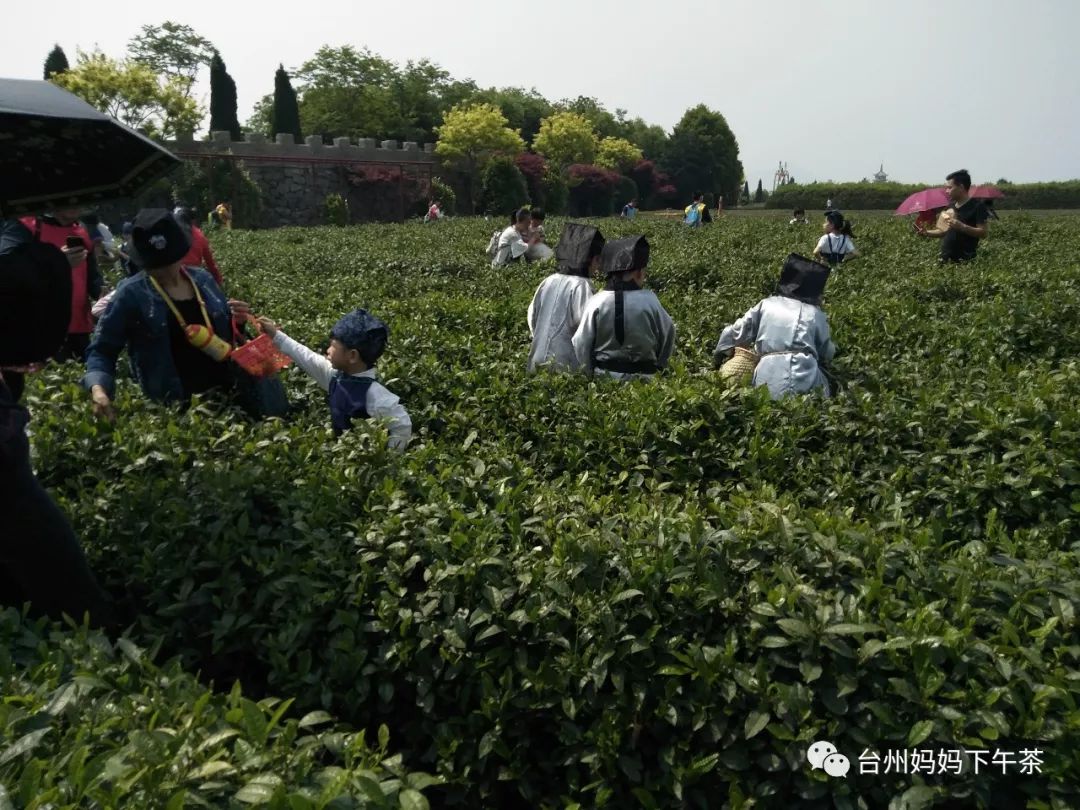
(651,595)
(85,723)
(887,196)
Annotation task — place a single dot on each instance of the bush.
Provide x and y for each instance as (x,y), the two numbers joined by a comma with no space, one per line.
(335,210)
(135,734)
(533,168)
(625,190)
(648,595)
(445,195)
(503,187)
(591,190)
(383,194)
(556,194)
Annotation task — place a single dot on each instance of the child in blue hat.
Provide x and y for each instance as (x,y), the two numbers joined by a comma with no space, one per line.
(347,373)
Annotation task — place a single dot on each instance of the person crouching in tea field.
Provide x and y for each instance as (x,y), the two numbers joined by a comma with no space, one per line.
(174,322)
(788,331)
(513,243)
(556,308)
(347,373)
(624,331)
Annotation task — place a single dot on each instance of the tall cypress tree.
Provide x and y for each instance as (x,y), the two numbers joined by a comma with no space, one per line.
(56,62)
(286,116)
(222,99)
(759,195)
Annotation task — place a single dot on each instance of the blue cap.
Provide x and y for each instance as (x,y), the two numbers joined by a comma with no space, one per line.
(364,332)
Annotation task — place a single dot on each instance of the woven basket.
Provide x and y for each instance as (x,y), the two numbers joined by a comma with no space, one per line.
(741,364)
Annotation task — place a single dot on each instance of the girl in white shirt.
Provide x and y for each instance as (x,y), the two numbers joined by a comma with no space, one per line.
(836,245)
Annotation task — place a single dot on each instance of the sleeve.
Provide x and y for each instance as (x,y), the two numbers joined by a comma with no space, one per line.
(741,333)
(533,306)
(667,338)
(382,404)
(821,244)
(584,338)
(108,341)
(313,364)
(94,280)
(517,246)
(849,245)
(981,215)
(101,305)
(826,349)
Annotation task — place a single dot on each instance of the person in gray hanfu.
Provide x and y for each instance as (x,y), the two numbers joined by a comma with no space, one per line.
(789,332)
(556,308)
(624,333)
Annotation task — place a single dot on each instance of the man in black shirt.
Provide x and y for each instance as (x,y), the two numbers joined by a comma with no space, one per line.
(968,225)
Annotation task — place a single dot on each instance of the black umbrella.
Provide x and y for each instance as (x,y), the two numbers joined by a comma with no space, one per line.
(57,151)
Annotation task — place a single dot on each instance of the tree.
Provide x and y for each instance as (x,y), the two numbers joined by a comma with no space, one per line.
(591,188)
(524,109)
(618,154)
(56,62)
(222,99)
(604,123)
(132,93)
(503,187)
(470,135)
(566,138)
(759,195)
(262,116)
(746,192)
(649,138)
(172,50)
(286,115)
(533,168)
(703,154)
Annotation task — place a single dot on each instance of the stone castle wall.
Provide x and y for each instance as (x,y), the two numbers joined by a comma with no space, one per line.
(295,179)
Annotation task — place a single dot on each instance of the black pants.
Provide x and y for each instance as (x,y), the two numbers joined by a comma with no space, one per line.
(41,561)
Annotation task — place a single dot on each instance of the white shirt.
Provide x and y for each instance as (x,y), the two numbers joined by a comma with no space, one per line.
(381,404)
(554,315)
(835,243)
(511,246)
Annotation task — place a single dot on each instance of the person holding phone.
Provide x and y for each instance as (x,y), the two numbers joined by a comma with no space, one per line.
(62,229)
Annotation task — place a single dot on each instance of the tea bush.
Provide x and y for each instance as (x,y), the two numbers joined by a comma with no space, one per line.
(87,723)
(583,594)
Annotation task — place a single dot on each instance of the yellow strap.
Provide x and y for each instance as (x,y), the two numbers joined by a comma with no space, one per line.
(169,302)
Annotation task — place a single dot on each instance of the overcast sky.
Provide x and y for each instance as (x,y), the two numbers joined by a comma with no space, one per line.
(833,88)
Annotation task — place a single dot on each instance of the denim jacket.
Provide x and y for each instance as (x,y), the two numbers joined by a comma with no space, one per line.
(138,318)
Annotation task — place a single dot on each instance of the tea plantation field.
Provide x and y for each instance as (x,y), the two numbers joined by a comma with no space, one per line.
(577,594)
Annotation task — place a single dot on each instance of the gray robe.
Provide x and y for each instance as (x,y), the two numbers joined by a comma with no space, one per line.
(791,337)
(649,333)
(554,315)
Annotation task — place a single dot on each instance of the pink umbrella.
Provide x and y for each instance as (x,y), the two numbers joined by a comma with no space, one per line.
(925,200)
(987,193)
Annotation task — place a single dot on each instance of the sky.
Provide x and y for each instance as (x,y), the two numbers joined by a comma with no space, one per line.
(832,88)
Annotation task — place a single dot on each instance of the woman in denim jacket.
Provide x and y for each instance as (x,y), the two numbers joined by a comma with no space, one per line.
(145,317)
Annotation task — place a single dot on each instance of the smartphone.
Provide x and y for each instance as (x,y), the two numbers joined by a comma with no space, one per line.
(76,242)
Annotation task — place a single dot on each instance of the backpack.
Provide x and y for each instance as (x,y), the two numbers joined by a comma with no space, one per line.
(693,214)
(35,303)
(493,245)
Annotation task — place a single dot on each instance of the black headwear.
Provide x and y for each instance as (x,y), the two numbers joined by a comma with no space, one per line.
(623,256)
(159,239)
(578,244)
(835,218)
(803,278)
